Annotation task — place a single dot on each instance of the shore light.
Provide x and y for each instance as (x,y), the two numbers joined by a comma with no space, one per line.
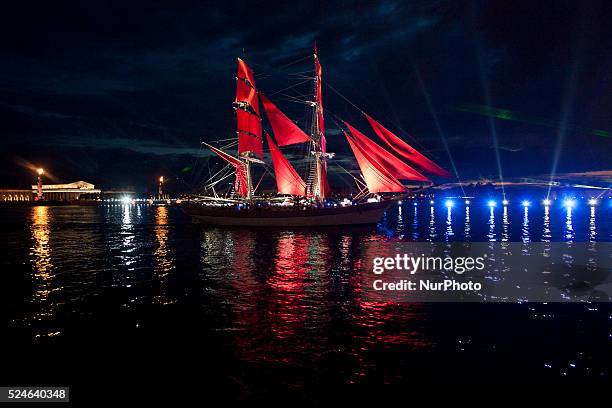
(40,171)
(526,203)
(491,203)
(592,202)
(431,202)
(126,200)
(505,202)
(449,203)
(467,202)
(546,202)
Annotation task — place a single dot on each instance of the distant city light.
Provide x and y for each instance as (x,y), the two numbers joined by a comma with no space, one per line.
(505,202)
(491,203)
(546,202)
(592,201)
(526,203)
(399,202)
(569,203)
(415,204)
(431,202)
(40,172)
(161,179)
(449,203)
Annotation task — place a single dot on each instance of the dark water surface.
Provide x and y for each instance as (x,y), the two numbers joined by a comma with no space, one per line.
(117,294)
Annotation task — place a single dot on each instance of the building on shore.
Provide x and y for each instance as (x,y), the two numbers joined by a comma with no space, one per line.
(66,192)
(14,194)
(50,192)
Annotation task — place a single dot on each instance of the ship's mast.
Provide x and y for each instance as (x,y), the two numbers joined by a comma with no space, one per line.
(318,190)
(249,177)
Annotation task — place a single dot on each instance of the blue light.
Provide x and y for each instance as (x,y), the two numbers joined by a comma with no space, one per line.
(467,202)
(399,202)
(592,202)
(526,203)
(415,204)
(569,203)
(546,202)
(505,202)
(491,203)
(431,202)
(449,203)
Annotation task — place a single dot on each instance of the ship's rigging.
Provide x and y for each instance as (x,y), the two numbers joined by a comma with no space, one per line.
(382,168)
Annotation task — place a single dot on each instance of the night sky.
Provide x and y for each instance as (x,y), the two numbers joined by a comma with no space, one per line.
(118,93)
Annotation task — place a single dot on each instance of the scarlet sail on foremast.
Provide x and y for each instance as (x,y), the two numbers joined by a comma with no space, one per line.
(287,179)
(377,178)
(241,184)
(245,86)
(405,150)
(392,164)
(248,122)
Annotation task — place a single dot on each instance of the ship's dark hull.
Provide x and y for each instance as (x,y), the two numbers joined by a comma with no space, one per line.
(358,214)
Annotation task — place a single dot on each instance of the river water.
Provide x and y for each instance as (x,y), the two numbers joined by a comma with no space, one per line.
(142,293)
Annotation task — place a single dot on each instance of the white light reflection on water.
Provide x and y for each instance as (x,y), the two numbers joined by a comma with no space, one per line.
(415,224)
(546,232)
(124,246)
(432,224)
(449,224)
(466,227)
(526,238)
(491,234)
(505,224)
(592,226)
(569,226)
(400,223)
(525,230)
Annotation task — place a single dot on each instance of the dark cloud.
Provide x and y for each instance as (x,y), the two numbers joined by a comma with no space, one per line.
(145,82)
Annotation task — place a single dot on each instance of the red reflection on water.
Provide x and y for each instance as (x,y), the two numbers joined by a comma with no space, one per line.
(288,281)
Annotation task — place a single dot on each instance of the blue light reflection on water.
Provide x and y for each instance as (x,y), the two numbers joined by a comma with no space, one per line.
(517,223)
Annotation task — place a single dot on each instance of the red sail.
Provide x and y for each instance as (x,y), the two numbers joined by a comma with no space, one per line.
(245,72)
(249,132)
(285,131)
(406,151)
(287,179)
(245,86)
(319,100)
(377,178)
(241,179)
(249,124)
(247,94)
(392,164)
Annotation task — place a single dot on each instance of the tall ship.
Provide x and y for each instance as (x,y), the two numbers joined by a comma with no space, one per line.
(304,197)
